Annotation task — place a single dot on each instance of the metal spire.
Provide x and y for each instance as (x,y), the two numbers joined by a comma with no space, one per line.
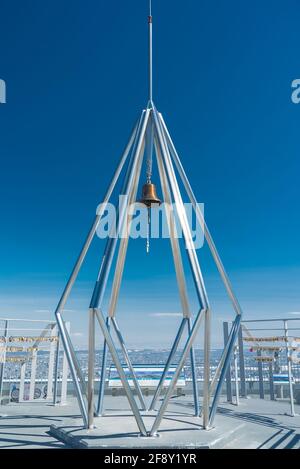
(150,51)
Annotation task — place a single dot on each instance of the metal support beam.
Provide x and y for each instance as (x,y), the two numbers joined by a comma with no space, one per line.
(64,334)
(103,373)
(201,220)
(242,363)
(176,375)
(196,271)
(225,352)
(214,252)
(33,375)
(130,188)
(227,359)
(78,369)
(122,375)
(194,374)
(228,374)
(119,269)
(2,365)
(91,368)
(64,373)
(51,364)
(129,364)
(22,382)
(206,380)
(168,363)
(271,381)
(260,376)
(289,367)
(210,243)
(95,224)
(197,274)
(66,345)
(56,367)
(236,375)
(178,265)
(173,233)
(111,244)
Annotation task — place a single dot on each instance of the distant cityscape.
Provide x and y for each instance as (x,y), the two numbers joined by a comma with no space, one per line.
(144,357)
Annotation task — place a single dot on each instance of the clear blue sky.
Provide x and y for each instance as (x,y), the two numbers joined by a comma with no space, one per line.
(76,75)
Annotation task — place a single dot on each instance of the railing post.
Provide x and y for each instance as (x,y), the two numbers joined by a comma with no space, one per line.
(289,366)
(22,382)
(236,375)
(56,368)
(64,374)
(51,364)
(2,365)
(260,376)
(33,374)
(242,363)
(272,395)
(228,373)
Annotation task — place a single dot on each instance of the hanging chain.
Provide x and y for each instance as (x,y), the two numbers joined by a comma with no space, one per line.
(149,175)
(149,166)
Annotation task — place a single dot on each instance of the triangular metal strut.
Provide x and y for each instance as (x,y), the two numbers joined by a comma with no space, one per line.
(133,156)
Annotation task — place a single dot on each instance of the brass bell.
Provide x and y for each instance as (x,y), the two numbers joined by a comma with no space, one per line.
(149,196)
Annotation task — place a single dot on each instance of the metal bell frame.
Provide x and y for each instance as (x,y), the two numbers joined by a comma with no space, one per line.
(167,160)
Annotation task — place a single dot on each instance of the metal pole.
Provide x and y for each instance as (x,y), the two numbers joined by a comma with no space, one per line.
(197,274)
(242,363)
(178,266)
(78,369)
(51,365)
(194,375)
(32,375)
(103,374)
(201,220)
(122,375)
(106,264)
(232,340)
(64,334)
(206,380)
(93,229)
(236,376)
(168,363)
(176,375)
(129,186)
(56,370)
(91,367)
(173,234)
(22,382)
(64,377)
(129,364)
(124,242)
(111,243)
(4,357)
(222,360)
(228,374)
(278,389)
(260,376)
(272,394)
(68,353)
(150,52)
(289,367)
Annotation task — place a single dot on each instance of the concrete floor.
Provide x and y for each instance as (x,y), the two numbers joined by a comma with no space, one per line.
(254,424)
